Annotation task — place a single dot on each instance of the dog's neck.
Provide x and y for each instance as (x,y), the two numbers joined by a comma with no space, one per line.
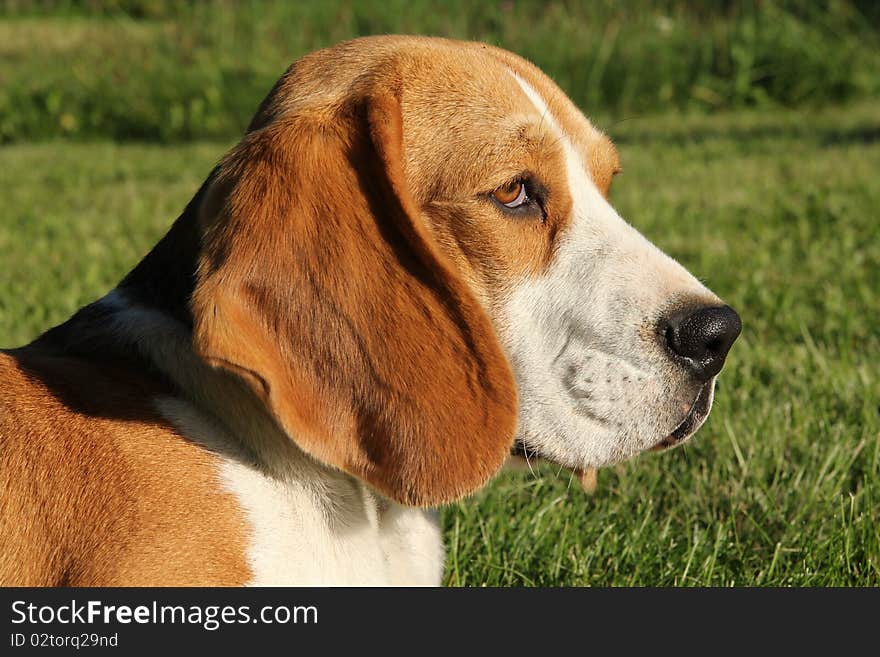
(164,280)
(146,322)
(166,344)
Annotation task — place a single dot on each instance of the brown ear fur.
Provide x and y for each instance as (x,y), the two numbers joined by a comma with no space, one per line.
(319,284)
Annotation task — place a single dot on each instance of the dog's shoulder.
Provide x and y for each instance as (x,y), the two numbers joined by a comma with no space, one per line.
(98,486)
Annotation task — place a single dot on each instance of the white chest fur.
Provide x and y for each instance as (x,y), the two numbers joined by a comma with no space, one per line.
(315,526)
(338,533)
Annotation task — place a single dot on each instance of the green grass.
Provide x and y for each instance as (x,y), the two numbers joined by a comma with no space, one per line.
(776,211)
(774,206)
(165,70)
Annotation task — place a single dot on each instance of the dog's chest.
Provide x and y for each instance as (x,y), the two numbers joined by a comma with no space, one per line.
(333,532)
(316,526)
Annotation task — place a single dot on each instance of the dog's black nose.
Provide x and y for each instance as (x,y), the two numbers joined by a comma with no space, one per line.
(701,337)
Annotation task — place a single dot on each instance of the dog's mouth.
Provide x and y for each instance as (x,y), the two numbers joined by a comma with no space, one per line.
(698,412)
(692,421)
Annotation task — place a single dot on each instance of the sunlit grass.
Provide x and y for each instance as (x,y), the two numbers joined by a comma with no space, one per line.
(162,70)
(777,212)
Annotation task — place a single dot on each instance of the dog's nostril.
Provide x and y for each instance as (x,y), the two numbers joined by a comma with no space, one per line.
(701,337)
(714,345)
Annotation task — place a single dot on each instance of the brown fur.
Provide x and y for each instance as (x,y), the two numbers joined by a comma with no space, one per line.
(95,489)
(344,262)
(367,346)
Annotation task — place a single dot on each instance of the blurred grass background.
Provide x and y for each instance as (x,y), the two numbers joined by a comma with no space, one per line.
(71,69)
(750,139)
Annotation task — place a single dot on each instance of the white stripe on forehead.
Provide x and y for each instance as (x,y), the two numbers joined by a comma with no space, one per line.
(573,158)
(538,102)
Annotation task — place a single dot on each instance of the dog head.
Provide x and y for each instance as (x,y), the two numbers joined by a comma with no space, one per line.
(411,259)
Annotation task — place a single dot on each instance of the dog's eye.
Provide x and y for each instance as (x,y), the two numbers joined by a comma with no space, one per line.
(512,195)
(523,197)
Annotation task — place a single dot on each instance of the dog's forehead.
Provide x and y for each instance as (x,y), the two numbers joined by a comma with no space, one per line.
(476,102)
(463,103)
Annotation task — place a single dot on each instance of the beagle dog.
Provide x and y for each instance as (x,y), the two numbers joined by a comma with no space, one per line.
(407,271)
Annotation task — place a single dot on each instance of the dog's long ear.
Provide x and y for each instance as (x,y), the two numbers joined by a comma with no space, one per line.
(320,285)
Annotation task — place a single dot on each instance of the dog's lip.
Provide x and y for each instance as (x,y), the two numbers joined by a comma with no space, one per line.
(689,424)
(692,419)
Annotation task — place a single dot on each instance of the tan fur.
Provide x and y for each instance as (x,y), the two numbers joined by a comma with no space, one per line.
(97,490)
(427,415)
(596,149)
(348,268)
